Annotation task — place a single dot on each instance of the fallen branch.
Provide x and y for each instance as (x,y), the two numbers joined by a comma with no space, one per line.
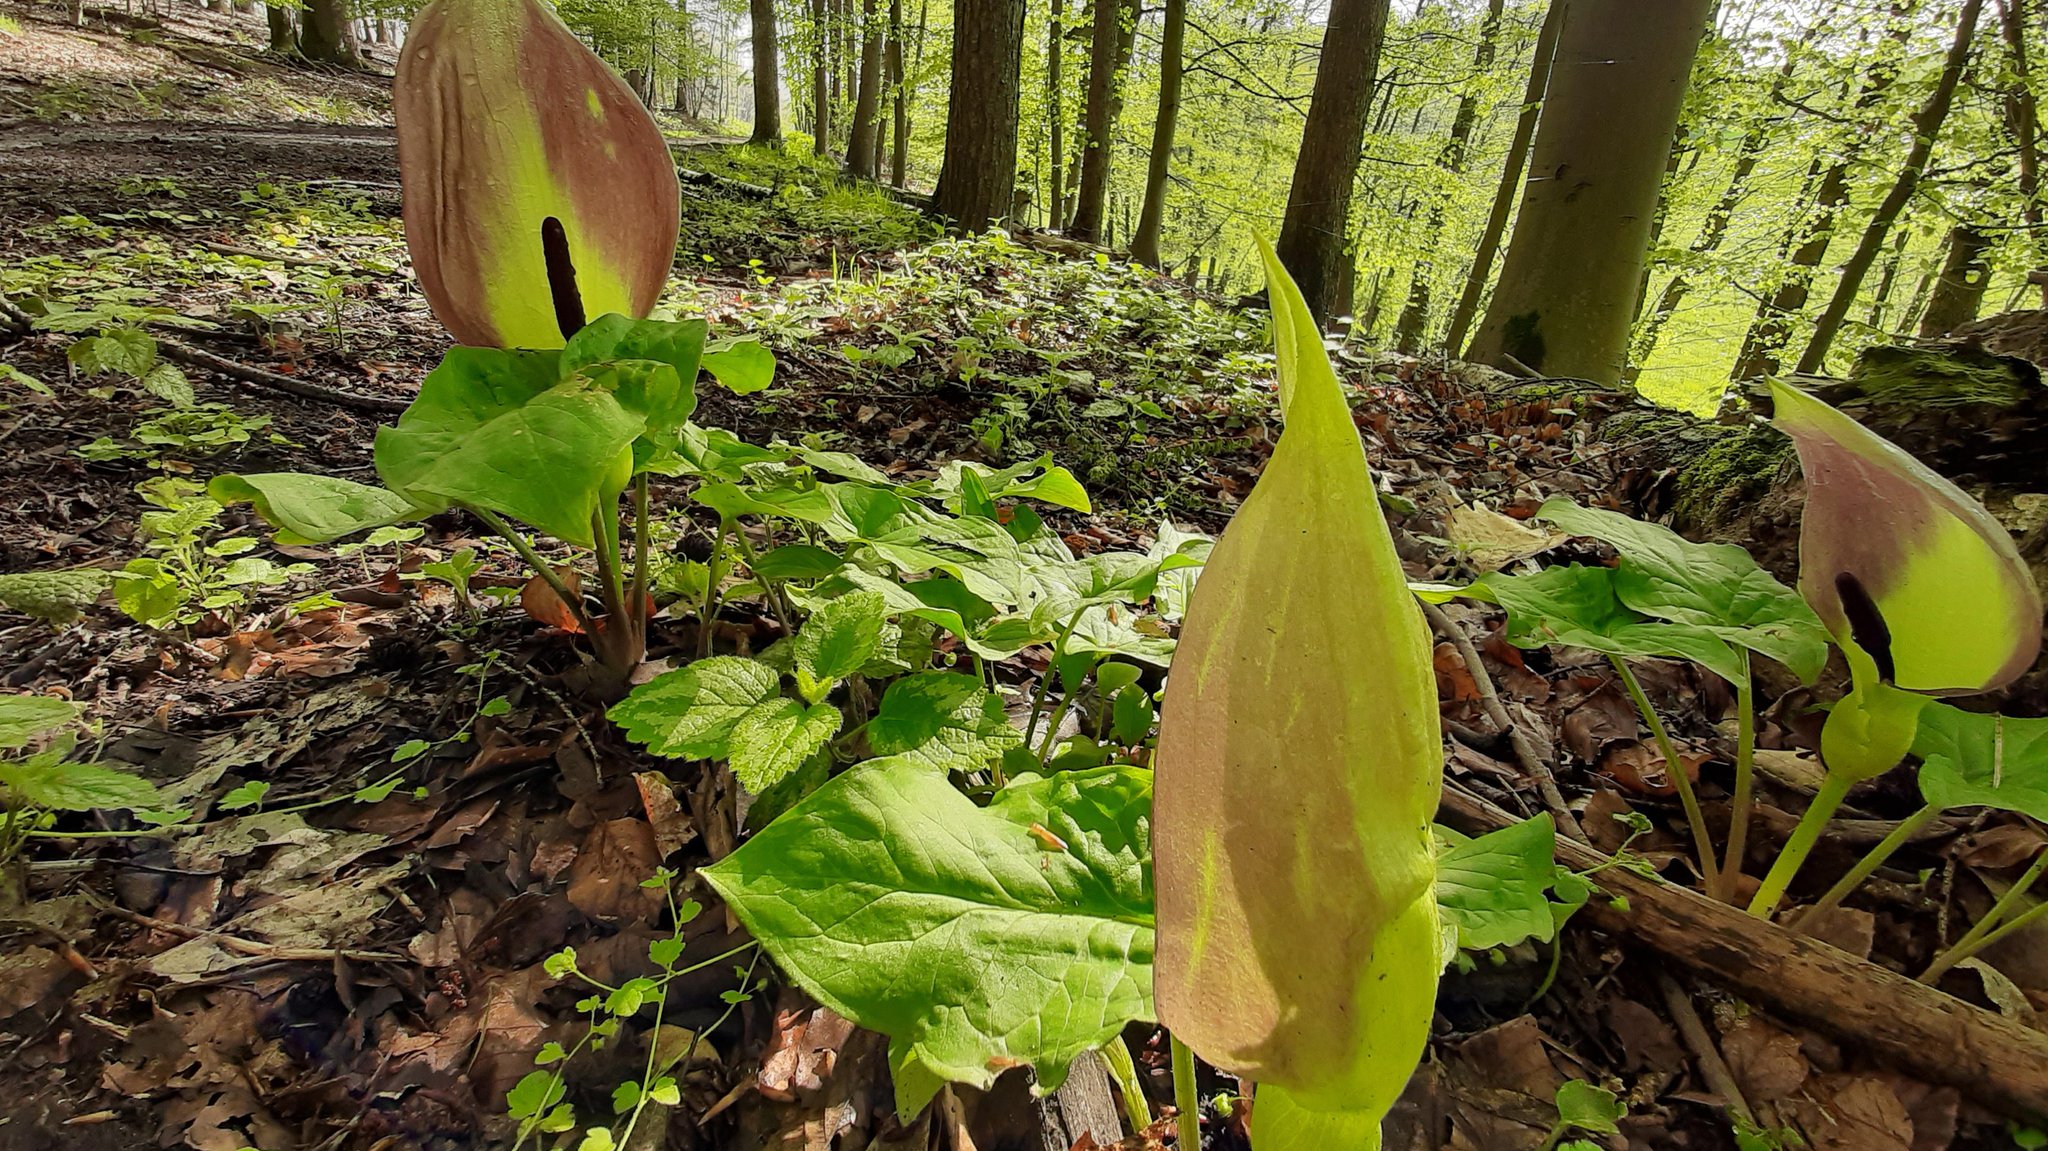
(193,357)
(1934,1036)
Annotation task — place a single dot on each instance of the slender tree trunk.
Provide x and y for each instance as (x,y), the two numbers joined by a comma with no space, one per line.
(899,155)
(821,82)
(1568,284)
(1414,319)
(1315,234)
(1889,279)
(1926,128)
(1115,24)
(980,168)
(1481,271)
(1056,115)
(1172,35)
(2023,118)
(767,80)
(284,35)
(327,35)
(867,104)
(1959,289)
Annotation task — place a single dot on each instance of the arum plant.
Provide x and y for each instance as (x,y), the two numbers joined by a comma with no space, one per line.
(1921,588)
(537,191)
(1298,766)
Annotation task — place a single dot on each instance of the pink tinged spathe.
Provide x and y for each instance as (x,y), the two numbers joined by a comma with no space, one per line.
(1298,769)
(1919,584)
(527,165)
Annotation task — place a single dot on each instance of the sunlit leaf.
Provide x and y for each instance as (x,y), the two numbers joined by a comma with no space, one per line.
(311,509)
(1974,760)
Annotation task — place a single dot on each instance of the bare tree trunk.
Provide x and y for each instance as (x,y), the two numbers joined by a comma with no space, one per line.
(1414,320)
(1568,285)
(1172,36)
(1890,278)
(821,81)
(2023,118)
(1055,50)
(767,79)
(1115,27)
(284,35)
(1926,127)
(867,103)
(326,35)
(1959,289)
(899,155)
(1315,233)
(1481,271)
(980,168)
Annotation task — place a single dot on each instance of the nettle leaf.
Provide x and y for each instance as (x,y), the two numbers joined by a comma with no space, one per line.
(954,930)
(1301,719)
(1505,886)
(48,781)
(1715,586)
(775,738)
(742,367)
(1957,604)
(54,596)
(1577,607)
(310,509)
(689,713)
(943,719)
(25,719)
(1974,760)
(841,636)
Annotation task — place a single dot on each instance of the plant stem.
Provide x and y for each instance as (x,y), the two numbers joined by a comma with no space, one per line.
(540,566)
(1675,768)
(1059,647)
(772,590)
(711,578)
(641,532)
(1874,859)
(1975,939)
(2018,922)
(1186,1098)
(1745,779)
(1834,788)
(1125,1071)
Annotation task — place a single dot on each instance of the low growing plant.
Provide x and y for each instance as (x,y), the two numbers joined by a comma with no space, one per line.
(42,773)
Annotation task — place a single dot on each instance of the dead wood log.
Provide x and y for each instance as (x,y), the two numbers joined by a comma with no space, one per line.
(193,357)
(1915,1028)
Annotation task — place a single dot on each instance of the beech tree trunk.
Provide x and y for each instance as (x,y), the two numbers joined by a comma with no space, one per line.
(284,32)
(1926,127)
(767,77)
(1056,115)
(1959,289)
(867,101)
(1116,23)
(821,82)
(1574,263)
(1481,271)
(1172,35)
(980,167)
(1408,330)
(1315,234)
(327,35)
(899,155)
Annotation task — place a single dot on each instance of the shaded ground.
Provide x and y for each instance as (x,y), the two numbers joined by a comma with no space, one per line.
(368,974)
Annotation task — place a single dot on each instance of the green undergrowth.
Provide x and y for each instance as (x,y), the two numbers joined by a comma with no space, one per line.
(815,217)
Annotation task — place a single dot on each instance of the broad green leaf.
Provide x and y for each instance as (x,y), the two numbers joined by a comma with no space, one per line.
(689,713)
(49,781)
(943,719)
(970,942)
(608,338)
(27,718)
(310,509)
(1577,607)
(511,130)
(797,561)
(1171,596)
(1299,764)
(149,593)
(774,738)
(1052,484)
(1496,889)
(715,453)
(1714,586)
(1589,1108)
(469,388)
(1974,760)
(1955,605)
(731,501)
(841,635)
(742,367)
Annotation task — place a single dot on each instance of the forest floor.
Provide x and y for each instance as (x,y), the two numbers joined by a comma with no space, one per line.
(317,971)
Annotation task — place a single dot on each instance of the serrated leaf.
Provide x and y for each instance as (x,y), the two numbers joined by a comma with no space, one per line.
(46,781)
(894,900)
(53,597)
(27,718)
(689,713)
(942,719)
(775,738)
(843,634)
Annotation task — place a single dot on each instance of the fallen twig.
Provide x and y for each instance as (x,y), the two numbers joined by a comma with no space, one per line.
(1489,699)
(1932,1035)
(193,357)
(1713,1068)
